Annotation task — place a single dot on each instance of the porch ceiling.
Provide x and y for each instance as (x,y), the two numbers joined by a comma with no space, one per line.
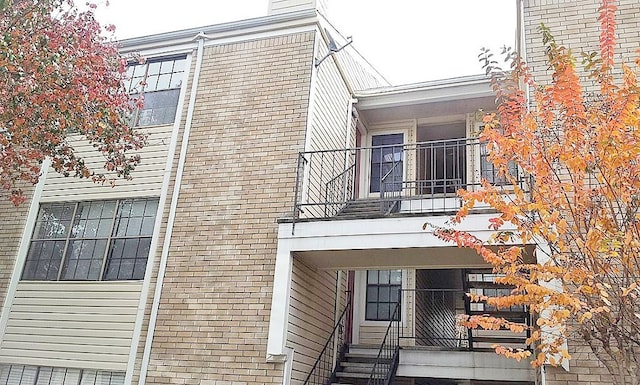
(425,109)
(428,258)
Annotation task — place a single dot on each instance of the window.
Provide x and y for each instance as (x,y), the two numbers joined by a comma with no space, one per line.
(383,293)
(490,172)
(482,283)
(160,82)
(90,241)
(43,375)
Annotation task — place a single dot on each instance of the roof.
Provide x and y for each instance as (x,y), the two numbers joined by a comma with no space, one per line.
(465,87)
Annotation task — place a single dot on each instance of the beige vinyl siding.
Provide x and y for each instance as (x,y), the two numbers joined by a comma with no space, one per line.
(71,324)
(311,315)
(372,332)
(147,177)
(360,74)
(328,130)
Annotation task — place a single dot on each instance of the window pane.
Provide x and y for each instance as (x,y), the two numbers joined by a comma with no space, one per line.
(372,276)
(159,108)
(372,311)
(396,277)
(384,311)
(179,65)
(384,276)
(372,294)
(394,294)
(164,81)
(43,260)
(127,259)
(54,221)
(93,219)
(84,260)
(154,68)
(384,295)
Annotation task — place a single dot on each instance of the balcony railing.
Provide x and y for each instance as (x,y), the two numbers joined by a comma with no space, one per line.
(438,322)
(416,178)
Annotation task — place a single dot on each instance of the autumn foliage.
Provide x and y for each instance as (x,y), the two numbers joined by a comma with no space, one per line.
(61,80)
(576,139)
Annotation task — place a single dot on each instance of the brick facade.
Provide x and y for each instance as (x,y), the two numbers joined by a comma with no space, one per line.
(11,227)
(248,126)
(574,24)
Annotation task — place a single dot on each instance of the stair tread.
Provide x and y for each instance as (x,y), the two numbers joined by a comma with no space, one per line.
(357,375)
(363,364)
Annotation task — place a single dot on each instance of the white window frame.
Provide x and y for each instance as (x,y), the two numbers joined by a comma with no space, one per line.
(365,177)
(360,302)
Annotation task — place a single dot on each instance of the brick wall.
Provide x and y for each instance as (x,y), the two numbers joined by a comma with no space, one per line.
(248,126)
(11,228)
(574,24)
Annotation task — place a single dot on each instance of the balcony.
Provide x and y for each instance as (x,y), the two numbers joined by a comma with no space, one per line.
(379,181)
(438,316)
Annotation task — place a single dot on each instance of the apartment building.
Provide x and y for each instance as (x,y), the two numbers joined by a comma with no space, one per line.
(273,233)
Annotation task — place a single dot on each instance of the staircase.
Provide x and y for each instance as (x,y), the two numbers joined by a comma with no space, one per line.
(365,208)
(357,365)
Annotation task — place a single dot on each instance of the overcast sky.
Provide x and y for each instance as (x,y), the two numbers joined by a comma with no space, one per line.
(406,40)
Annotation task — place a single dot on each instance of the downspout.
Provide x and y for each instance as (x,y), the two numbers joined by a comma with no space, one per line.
(172,214)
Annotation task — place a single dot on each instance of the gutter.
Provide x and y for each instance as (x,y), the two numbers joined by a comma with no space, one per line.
(239,27)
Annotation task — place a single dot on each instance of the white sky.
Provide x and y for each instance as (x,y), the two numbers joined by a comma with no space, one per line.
(406,40)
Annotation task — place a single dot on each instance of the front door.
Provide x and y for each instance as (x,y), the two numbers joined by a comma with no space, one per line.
(386,163)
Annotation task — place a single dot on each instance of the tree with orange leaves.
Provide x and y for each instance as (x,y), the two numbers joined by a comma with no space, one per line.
(61,79)
(580,149)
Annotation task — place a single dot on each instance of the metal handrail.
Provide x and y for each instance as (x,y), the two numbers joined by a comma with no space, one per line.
(328,180)
(394,350)
(388,205)
(339,327)
(331,182)
(442,328)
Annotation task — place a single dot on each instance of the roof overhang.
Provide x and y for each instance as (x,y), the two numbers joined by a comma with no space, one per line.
(469,87)
(235,31)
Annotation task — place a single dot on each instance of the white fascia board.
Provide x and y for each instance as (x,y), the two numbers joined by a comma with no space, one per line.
(381,233)
(422,93)
(242,30)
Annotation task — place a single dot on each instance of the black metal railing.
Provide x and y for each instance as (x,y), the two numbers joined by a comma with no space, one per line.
(438,315)
(419,177)
(323,370)
(386,363)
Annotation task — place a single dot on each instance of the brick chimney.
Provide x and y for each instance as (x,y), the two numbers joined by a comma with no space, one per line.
(277,7)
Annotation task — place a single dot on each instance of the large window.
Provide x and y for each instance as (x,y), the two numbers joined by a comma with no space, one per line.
(96,240)
(43,375)
(383,293)
(160,82)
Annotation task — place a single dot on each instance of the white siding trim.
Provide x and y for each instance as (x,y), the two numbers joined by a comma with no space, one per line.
(23,248)
(279,316)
